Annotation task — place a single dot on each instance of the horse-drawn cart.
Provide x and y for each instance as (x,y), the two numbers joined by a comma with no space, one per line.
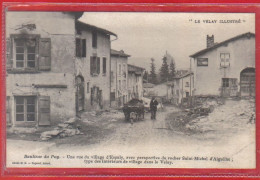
(134,110)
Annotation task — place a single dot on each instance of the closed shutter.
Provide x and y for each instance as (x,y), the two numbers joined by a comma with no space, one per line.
(84,47)
(8,111)
(9,58)
(78,48)
(98,65)
(91,65)
(45,54)
(44,110)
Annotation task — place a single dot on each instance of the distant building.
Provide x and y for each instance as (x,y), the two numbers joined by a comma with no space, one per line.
(148,89)
(92,67)
(182,86)
(119,78)
(157,90)
(226,68)
(135,82)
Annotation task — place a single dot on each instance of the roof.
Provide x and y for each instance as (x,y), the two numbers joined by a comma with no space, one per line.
(180,77)
(119,53)
(83,25)
(248,34)
(148,85)
(183,75)
(134,68)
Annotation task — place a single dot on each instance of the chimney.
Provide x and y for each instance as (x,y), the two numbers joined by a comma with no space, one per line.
(210,41)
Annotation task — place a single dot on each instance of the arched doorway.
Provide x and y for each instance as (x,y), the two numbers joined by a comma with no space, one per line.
(80,93)
(247,82)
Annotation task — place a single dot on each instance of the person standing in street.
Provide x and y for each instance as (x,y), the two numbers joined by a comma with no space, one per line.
(153,108)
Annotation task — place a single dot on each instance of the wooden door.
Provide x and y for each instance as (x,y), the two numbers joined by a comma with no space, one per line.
(247,82)
(80,94)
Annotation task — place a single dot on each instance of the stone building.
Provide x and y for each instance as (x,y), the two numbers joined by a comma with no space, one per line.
(226,68)
(92,66)
(135,82)
(119,78)
(182,86)
(40,67)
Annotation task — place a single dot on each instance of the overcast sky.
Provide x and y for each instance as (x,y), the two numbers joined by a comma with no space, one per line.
(150,35)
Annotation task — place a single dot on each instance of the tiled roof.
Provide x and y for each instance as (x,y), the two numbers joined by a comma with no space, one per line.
(183,75)
(248,34)
(119,53)
(134,68)
(83,25)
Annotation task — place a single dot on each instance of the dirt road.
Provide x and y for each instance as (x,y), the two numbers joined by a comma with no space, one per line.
(224,133)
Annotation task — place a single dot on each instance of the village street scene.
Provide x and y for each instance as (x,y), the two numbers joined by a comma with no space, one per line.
(76,83)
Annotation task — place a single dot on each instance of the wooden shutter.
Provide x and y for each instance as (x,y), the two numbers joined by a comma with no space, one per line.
(91,65)
(98,65)
(104,65)
(78,48)
(8,111)
(44,110)
(45,54)
(9,58)
(84,48)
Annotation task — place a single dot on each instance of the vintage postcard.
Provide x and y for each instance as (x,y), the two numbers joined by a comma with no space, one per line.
(130,90)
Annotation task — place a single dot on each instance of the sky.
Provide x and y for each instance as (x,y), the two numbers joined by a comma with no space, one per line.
(150,35)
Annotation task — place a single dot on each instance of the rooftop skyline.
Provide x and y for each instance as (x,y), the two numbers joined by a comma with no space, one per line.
(150,35)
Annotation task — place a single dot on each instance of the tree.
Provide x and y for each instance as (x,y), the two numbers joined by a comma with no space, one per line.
(153,72)
(172,71)
(145,77)
(164,71)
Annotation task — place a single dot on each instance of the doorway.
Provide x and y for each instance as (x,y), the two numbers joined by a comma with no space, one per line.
(247,82)
(80,94)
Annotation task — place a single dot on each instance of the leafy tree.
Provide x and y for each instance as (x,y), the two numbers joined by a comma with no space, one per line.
(164,71)
(153,72)
(172,71)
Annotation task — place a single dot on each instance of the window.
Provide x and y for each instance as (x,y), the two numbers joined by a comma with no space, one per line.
(94,39)
(202,61)
(225,82)
(112,76)
(22,51)
(124,84)
(119,84)
(25,108)
(104,65)
(124,70)
(112,96)
(94,65)
(25,53)
(119,69)
(87,87)
(224,59)
(81,47)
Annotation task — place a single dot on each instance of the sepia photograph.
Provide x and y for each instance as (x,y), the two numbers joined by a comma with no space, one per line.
(130,90)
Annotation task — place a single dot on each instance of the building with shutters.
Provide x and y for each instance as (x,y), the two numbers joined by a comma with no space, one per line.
(135,81)
(226,68)
(93,68)
(119,78)
(182,86)
(40,67)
